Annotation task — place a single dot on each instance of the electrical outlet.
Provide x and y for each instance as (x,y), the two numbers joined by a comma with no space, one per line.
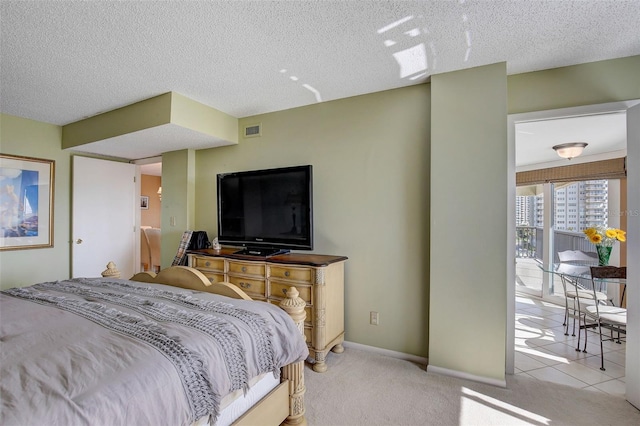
(373,318)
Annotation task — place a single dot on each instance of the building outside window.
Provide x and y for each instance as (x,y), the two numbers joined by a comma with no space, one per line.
(575,206)
(579,205)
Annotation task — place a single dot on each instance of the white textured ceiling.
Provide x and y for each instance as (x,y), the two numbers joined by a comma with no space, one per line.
(64,61)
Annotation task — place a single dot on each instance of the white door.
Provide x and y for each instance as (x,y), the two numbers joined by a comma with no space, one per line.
(103,216)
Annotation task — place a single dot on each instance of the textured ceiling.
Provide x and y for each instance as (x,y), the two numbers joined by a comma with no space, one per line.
(603,133)
(65,61)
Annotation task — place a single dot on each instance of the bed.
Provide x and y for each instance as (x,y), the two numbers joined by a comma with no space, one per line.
(157,349)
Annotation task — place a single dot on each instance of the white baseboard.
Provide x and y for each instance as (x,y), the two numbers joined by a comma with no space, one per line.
(387,352)
(466,376)
(425,361)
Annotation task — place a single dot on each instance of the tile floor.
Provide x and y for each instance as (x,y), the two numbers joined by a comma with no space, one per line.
(543,351)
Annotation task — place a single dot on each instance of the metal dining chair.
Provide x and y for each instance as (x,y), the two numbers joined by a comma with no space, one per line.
(577,295)
(610,317)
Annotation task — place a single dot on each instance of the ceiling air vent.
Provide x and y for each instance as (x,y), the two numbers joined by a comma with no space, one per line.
(253,131)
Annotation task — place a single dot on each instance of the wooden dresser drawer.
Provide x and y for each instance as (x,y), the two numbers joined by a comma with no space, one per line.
(250,286)
(290,273)
(319,280)
(213,277)
(247,268)
(208,263)
(279,290)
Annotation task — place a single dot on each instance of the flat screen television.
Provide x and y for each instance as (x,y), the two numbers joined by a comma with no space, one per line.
(266,212)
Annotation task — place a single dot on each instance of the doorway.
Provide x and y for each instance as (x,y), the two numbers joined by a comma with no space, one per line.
(540,116)
(150,215)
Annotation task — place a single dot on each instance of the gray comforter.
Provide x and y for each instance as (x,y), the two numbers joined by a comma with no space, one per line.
(114,352)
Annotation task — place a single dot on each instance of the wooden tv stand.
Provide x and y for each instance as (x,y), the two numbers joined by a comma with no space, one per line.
(318,278)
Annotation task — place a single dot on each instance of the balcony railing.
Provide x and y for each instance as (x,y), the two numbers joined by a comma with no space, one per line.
(529,242)
(527,238)
(568,240)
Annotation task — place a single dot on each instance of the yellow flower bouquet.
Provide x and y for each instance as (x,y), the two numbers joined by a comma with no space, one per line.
(604,238)
(600,235)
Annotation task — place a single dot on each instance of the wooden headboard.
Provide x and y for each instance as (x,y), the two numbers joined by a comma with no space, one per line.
(189,278)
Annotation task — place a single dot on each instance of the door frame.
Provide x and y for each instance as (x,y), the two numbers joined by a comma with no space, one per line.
(512,120)
(139,163)
(99,201)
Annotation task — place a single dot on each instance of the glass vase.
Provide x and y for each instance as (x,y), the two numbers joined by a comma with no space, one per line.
(603,254)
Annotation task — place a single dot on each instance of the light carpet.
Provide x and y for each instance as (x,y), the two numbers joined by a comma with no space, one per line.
(365,388)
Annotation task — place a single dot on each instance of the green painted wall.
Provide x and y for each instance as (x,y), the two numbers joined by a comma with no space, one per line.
(586,84)
(178,200)
(168,108)
(469,221)
(370,157)
(142,115)
(19,136)
(196,116)
(346,139)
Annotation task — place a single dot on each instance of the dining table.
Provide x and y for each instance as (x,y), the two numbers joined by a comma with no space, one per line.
(580,271)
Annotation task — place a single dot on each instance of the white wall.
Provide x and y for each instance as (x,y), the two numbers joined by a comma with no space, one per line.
(633,254)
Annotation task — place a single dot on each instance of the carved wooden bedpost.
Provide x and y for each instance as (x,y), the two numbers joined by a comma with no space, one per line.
(294,306)
(111,271)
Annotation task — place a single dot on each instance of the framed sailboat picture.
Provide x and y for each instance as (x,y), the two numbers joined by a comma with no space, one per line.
(26,202)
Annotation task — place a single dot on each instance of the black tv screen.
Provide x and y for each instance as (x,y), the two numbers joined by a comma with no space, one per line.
(266,211)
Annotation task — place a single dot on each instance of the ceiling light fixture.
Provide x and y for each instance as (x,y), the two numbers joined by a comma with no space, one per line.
(570,150)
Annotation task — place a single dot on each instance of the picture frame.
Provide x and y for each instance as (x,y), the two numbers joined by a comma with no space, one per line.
(144,202)
(26,202)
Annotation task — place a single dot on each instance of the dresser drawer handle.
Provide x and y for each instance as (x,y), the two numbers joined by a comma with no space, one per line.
(244,269)
(284,290)
(245,285)
(213,280)
(287,273)
(207,263)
